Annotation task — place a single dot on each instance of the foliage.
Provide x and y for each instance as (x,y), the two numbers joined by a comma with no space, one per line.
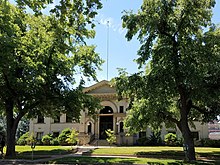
(23,139)
(2,124)
(54,142)
(23,127)
(72,138)
(210,143)
(31,139)
(62,138)
(143,141)
(155,138)
(180,61)
(43,58)
(170,139)
(111,138)
(46,139)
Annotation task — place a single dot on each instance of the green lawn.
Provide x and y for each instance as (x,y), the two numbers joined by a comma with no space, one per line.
(93,160)
(133,150)
(42,149)
(148,161)
(151,155)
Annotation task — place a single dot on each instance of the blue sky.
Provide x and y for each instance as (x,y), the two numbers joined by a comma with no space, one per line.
(121,52)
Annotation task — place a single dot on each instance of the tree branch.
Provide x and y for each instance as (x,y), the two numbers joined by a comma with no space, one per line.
(201,110)
(169,117)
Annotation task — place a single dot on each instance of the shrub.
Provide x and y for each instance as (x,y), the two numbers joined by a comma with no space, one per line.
(72,138)
(111,138)
(143,141)
(31,139)
(170,139)
(155,139)
(46,139)
(23,139)
(210,143)
(54,142)
(63,136)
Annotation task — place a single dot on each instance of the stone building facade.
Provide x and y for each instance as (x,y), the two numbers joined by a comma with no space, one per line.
(92,130)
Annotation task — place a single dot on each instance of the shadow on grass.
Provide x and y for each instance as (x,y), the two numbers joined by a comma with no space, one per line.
(46,152)
(163,154)
(210,155)
(95,160)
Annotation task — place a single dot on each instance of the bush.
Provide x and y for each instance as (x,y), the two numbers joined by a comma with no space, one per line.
(155,139)
(46,139)
(72,138)
(63,136)
(111,138)
(54,142)
(170,139)
(23,139)
(210,143)
(31,139)
(144,141)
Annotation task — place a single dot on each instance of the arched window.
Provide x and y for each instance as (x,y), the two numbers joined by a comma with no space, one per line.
(89,128)
(106,110)
(121,127)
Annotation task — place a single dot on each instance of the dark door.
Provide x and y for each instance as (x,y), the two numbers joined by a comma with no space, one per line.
(106,122)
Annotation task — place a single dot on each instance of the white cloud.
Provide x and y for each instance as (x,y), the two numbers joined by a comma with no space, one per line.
(109,21)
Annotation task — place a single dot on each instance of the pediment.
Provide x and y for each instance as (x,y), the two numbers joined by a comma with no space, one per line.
(102,87)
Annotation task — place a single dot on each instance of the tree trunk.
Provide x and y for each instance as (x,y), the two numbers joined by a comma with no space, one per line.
(11,130)
(189,147)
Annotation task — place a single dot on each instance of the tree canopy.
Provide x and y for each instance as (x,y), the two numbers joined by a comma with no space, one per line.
(41,56)
(180,55)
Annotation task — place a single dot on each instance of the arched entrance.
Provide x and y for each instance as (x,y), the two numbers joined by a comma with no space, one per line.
(105,121)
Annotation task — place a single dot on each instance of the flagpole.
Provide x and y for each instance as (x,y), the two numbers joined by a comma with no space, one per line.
(107,46)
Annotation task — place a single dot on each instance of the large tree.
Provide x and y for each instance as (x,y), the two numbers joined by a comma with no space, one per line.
(40,58)
(180,56)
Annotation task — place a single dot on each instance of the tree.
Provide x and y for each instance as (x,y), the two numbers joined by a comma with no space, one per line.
(180,57)
(111,138)
(41,56)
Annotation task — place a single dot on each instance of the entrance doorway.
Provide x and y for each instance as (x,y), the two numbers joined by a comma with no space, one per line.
(105,122)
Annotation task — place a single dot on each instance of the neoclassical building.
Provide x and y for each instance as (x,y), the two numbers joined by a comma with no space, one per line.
(92,130)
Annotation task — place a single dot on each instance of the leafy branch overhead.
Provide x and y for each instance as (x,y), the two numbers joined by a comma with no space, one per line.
(180,55)
(44,54)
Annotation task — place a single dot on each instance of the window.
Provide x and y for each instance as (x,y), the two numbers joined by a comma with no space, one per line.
(69,119)
(121,109)
(142,134)
(55,134)
(173,132)
(89,128)
(39,136)
(106,110)
(57,119)
(121,127)
(40,119)
(195,135)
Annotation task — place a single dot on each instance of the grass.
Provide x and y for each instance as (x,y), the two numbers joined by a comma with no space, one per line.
(149,155)
(43,149)
(101,160)
(25,152)
(133,150)
(148,161)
